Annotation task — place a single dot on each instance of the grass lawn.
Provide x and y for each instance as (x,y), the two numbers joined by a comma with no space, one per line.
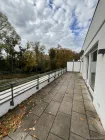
(7,78)
(13,76)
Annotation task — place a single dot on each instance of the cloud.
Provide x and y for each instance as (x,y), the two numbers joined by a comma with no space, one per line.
(51,22)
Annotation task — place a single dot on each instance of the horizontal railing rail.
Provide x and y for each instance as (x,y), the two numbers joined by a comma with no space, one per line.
(14,88)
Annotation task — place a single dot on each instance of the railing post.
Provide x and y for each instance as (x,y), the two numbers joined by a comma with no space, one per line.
(49,77)
(73,66)
(12,101)
(37,87)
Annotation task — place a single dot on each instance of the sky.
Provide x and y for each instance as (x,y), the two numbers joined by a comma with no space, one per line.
(50,22)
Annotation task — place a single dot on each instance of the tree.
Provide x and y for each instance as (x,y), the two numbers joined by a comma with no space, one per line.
(40,56)
(59,57)
(7,32)
(29,61)
(52,55)
(8,39)
(3,22)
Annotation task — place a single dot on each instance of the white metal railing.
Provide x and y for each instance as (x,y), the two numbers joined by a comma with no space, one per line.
(14,89)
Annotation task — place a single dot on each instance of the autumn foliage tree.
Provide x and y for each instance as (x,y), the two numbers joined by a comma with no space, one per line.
(59,57)
(29,61)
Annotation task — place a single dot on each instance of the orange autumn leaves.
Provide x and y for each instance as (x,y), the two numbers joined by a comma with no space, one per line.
(81,119)
(10,124)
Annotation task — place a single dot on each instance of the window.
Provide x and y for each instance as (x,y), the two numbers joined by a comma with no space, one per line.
(94,56)
(93,68)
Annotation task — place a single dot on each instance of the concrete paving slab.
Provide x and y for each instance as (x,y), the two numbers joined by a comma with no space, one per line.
(89,106)
(87,97)
(52,108)
(47,88)
(92,114)
(68,98)
(58,98)
(78,107)
(71,80)
(95,125)
(39,108)
(71,84)
(29,137)
(28,122)
(79,125)
(85,91)
(39,98)
(77,87)
(43,126)
(48,98)
(78,97)
(18,135)
(53,137)
(94,135)
(6,138)
(53,92)
(61,126)
(57,87)
(66,107)
(60,83)
(69,90)
(75,137)
(43,92)
(77,91)
(61,92)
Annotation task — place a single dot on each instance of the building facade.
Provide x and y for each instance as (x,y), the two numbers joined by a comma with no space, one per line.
(93,60)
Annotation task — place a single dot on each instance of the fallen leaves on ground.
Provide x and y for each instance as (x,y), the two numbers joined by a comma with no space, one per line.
(12,123)
(30,112)
(81,119)
(33,128)
(35,122)
(34,136)
(25,129)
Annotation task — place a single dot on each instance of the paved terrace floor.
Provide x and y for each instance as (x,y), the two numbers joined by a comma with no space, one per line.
(64,111)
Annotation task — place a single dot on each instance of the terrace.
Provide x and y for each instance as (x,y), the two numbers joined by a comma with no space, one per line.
(63,110)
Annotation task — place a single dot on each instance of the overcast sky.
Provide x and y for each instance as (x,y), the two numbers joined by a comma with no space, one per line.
(51,22)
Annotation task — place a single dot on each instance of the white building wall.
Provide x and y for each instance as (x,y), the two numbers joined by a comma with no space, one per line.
(99,17)
(85,65)
(77,66)
(74,66)
(69,66)
(96,35)
(82,66)
(99,92)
